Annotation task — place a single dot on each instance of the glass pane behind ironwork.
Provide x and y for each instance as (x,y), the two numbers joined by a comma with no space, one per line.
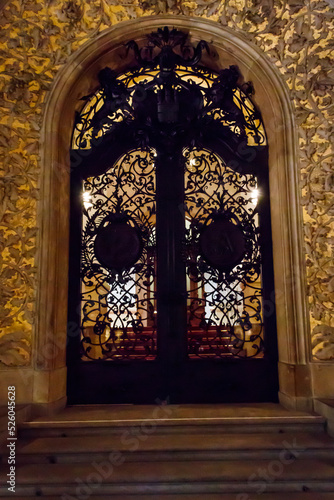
(118,319)
(223,274)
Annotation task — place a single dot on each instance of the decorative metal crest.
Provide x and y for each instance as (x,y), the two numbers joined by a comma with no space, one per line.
(167,41)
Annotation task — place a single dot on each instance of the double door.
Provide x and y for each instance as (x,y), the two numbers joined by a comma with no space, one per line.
(171,289)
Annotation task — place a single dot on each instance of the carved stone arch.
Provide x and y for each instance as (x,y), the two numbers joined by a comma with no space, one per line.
(79,78)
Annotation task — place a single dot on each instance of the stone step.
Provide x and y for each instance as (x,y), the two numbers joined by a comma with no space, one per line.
(172,419)
(98,429)
(152,447)
(178,477)
(186,452)
(213,496)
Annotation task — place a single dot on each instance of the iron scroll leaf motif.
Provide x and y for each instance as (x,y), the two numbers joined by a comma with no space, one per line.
(118,261)
(223,259)
(170,97)
(118,245)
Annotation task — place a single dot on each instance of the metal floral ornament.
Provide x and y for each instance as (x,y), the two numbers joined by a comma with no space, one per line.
(170,98)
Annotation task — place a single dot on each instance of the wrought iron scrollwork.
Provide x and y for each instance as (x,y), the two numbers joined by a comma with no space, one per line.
(223,259)
(118,261)
(171,89)
(169,102)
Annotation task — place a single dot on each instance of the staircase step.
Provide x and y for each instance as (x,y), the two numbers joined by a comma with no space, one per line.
(212,496)
(151,447)
(173,419)
(176,477)
(29,431)
(168,452)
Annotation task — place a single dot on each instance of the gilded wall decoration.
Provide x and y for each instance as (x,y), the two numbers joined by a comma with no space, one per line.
(36,40)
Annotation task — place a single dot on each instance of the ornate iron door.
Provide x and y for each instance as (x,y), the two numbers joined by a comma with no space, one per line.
(171,290)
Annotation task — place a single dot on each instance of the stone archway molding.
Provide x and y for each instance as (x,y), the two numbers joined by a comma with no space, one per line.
(78,78)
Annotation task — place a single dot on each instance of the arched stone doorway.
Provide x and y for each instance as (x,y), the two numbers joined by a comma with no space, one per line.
(79,78)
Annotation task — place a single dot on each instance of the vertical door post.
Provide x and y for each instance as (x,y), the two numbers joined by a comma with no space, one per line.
(171,276)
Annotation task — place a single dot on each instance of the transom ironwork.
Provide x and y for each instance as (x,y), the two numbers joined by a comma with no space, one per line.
(170,88)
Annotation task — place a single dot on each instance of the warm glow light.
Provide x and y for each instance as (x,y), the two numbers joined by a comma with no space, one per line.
(87,199)
(255,196)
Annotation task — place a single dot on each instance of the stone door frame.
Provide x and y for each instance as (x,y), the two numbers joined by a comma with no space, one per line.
(78,78)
